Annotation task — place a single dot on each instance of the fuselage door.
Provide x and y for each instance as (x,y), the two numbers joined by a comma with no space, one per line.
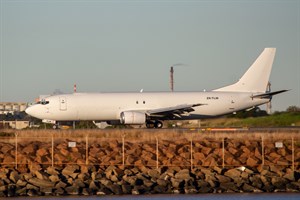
(62,103)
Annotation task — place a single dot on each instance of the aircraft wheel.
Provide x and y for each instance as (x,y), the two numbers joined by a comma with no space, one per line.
(153,124)
(148,125)
(158,124)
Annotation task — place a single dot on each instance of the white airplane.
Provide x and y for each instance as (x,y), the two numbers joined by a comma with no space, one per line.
(151,108)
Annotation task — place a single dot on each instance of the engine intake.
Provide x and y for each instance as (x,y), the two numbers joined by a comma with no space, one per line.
(131,117)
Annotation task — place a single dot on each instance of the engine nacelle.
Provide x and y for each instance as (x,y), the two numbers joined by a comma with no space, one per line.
(131,117)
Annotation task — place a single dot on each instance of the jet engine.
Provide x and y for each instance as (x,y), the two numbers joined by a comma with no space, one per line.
(131,117)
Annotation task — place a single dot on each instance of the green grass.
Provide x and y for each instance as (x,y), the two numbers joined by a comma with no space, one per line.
(275,120)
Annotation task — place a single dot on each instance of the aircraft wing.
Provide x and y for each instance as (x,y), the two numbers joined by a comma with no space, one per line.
(173,111)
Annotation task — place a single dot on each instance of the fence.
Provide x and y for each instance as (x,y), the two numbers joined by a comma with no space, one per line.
(190,151)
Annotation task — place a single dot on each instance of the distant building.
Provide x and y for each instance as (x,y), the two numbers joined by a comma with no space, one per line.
(14,124)
(11,107)
(10,115)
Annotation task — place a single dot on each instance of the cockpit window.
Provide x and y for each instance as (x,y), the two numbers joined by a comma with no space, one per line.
(43,102)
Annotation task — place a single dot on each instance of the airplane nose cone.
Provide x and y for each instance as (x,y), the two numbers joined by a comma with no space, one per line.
(33,111)
(36,111)
(28,110)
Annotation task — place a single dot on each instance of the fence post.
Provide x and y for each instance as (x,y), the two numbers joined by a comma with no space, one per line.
(223,153)
(52,149)
(156,152)
(123,149)
(262,151)
(87,149)
(16,154)
(192,152)
(293,154)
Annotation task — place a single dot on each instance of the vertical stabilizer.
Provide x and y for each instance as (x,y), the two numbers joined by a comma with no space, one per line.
(257,76)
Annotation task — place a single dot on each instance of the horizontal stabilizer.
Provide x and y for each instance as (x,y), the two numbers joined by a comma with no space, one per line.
(268,94)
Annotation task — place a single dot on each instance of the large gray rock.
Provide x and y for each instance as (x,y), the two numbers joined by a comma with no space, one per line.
(162,182)
(41,183)
(177,183)
(60,184)
(59,191)
(21,191)
(154,174)
(93,186)
(14,176)
(41,175)
(54,178)
(5,148)
(256,181)
(21,183)
(203,186)
(31,187)
(83,176)
(183,175)
(249,188)
(46,191)
(33,193)
(116,189)
(71,190)
(229,187)
(223,179)
(70,170)
(96,176)
(126,188)
(148,183)
(130,179)
(78,183)
(3,188)
(279,183)
(233,173)
(159,189)
(52,171)
(86,192)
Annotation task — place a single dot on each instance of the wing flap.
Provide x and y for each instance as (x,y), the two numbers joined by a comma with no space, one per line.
(175,110)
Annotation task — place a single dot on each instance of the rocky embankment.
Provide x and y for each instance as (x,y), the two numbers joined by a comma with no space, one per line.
(94,180)
(136,164)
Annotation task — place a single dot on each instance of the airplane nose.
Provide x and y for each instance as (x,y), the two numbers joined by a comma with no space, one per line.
(28,110)
(32,111)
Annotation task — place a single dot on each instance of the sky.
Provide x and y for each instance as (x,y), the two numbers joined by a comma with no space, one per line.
(120,46)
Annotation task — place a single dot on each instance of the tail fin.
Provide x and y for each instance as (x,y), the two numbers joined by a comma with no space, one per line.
(257,76)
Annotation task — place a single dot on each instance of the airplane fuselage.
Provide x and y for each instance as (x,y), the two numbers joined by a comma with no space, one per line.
(109,106)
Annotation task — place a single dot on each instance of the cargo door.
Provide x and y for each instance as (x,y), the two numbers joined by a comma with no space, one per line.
(62,103)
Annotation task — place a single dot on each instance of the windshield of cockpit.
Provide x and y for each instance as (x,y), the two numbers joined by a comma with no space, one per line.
(43,102)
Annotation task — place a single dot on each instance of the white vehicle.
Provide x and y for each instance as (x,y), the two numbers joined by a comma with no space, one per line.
(151,108)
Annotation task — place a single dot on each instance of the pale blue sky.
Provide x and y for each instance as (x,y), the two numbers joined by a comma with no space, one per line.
(129,45)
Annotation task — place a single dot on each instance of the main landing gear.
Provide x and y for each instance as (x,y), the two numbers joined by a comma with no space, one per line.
(154,124)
